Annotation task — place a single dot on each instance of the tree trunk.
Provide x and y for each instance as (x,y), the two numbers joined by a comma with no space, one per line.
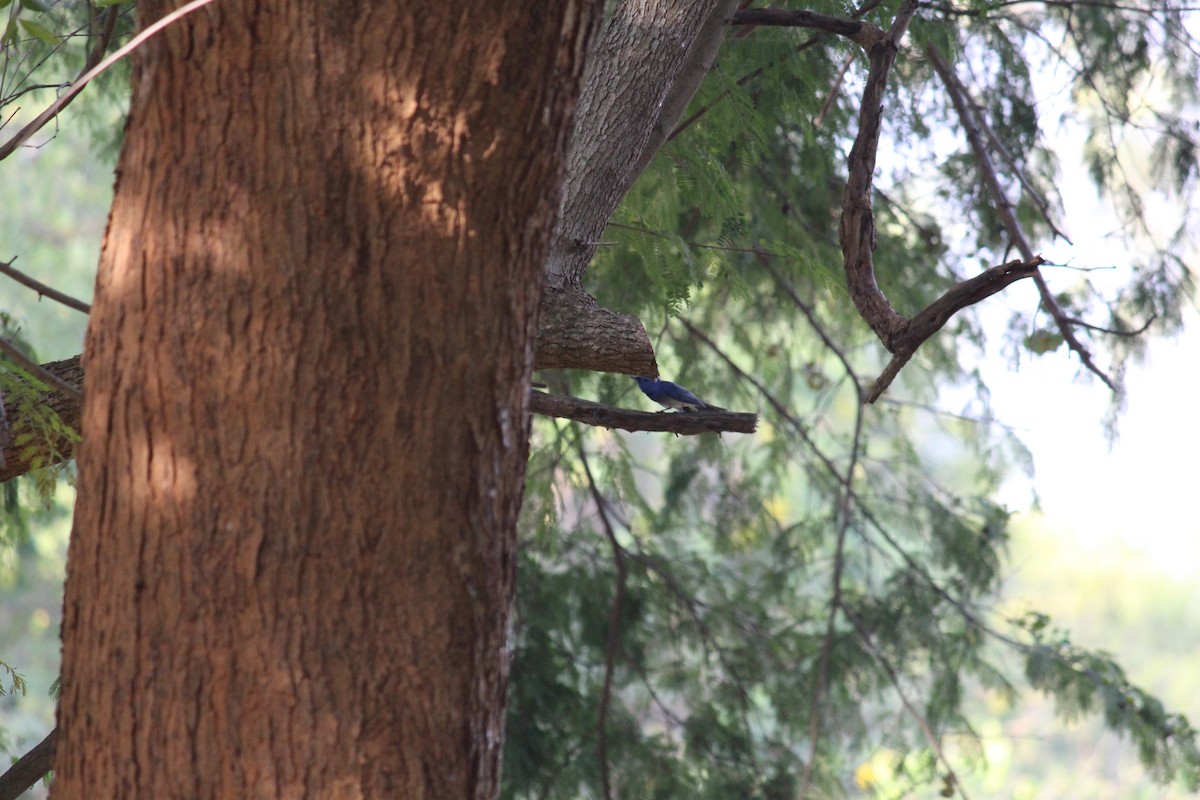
(291,570)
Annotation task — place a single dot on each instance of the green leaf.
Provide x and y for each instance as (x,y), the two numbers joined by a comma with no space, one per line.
(38,31)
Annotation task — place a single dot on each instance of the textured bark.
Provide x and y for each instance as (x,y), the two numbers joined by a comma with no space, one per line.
(646,68)
(46,448)
(574,332)
(306,403)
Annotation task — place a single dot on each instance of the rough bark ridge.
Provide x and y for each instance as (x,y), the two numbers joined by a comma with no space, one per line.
(291,570)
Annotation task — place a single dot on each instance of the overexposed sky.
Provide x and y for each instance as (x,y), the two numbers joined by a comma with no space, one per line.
(1142,493)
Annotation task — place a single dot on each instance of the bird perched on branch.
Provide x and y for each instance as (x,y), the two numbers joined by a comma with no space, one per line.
(671,395)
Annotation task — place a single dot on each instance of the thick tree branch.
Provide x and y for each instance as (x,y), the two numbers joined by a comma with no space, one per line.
(639,79)
(684,424)
(22,458)
(29,769)
(696,65)
(575,332)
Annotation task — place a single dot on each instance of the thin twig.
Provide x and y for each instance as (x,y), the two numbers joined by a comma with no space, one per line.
(693,606)
(831,471)
(971,123)
(5,432)
(834,90)
(58,105)
(614,626)
(42,289)
(1111,331)
(811,316)
(839,560)
(1021,174)
(742,81)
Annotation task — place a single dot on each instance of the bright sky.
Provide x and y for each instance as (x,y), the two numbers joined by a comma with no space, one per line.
(1138,495)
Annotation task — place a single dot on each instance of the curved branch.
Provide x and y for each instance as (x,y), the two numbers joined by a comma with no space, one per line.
(900,335)
(857,229)
(1113,331)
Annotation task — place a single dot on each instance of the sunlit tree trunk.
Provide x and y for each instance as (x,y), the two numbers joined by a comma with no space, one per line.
(305,406)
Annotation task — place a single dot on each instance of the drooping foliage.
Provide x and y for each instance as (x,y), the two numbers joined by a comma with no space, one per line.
(754,617)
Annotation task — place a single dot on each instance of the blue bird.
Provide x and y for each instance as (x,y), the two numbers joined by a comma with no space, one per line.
(671,395)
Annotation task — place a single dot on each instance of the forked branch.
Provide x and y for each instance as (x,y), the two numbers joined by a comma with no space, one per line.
(901,335)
